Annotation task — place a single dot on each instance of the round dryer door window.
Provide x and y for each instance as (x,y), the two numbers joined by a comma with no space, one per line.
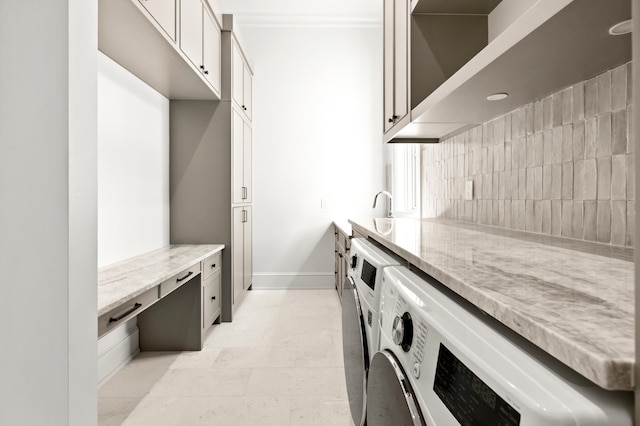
(390,398)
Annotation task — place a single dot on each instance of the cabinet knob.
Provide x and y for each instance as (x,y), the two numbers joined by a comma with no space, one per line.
(201,67)
(213,266)
(213,298)
(206,72)
(391,120)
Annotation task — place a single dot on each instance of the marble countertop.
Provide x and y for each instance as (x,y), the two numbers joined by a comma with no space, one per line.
(123,281)
(573,299)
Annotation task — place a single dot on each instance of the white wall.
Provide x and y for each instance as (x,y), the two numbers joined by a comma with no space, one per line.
(317,135)
(48,213)
(133,185)
(133,165)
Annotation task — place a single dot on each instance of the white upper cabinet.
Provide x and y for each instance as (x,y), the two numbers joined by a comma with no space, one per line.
(191,30)
(164,12)
(396,69)
(200,40)
(247,90)
(460,52)
(211,51)
(241,77)
(179,61)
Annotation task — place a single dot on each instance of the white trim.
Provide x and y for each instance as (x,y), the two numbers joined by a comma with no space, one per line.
(293,281)
(309,21)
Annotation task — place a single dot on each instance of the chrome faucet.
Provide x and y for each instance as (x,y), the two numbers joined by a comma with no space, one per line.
(375,202)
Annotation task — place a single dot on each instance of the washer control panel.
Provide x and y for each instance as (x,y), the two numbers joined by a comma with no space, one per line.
(409,331)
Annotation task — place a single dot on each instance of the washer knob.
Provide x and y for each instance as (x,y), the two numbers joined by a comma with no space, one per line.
(402,331)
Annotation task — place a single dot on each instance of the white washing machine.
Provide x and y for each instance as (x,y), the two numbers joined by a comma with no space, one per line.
(440,363)
(360,324)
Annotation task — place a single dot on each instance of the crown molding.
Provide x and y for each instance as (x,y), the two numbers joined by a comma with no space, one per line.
(309,21)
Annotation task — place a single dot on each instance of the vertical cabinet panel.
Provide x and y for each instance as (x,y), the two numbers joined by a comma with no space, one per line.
(237,155)
(388,64)
(242,251)
(164,13)
(241,153)
(247,161)
(191,30)
(237,254)
(396,56)
(211,51)
(237,74)
(242,81)
(247,90)
(248,249)
(401,56)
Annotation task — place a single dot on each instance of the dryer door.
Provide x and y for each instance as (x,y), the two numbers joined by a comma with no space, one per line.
(355,352)
(390,398)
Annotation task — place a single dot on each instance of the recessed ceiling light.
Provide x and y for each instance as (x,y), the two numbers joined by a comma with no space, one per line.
(621,28)
(497,96)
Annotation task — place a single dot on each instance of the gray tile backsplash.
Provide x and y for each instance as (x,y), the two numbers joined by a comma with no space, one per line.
(563,165)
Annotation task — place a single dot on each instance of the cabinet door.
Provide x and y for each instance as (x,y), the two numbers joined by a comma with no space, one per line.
(237,252)
(343,273)
(164,13)
(239,192)
(191,31)
(237,74)
(396,65)
(210,299)
(401,58)
(247,91)
(247,152)
(388,64)
(248,248)
(211,51)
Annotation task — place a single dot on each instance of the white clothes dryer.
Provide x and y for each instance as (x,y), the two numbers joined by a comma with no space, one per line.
(442,362)
(360,324)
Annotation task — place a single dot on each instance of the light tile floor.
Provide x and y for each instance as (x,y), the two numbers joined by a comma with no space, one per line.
(278,363)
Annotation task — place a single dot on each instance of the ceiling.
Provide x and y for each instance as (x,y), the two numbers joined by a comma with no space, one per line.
(351,9)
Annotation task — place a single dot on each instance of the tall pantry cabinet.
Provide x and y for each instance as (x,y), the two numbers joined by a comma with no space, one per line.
(211,181)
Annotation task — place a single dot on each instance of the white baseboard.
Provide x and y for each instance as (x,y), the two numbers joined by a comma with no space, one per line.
(293,281)
(116,349)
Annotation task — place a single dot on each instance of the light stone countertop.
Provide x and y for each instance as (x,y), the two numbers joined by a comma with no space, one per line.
(573,299)
(123,281)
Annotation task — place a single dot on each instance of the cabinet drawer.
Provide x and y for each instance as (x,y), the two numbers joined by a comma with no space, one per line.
(211,299)
(179,279)
(121,314)
(210,265)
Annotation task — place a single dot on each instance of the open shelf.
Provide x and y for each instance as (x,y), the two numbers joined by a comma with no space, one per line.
(551,45)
